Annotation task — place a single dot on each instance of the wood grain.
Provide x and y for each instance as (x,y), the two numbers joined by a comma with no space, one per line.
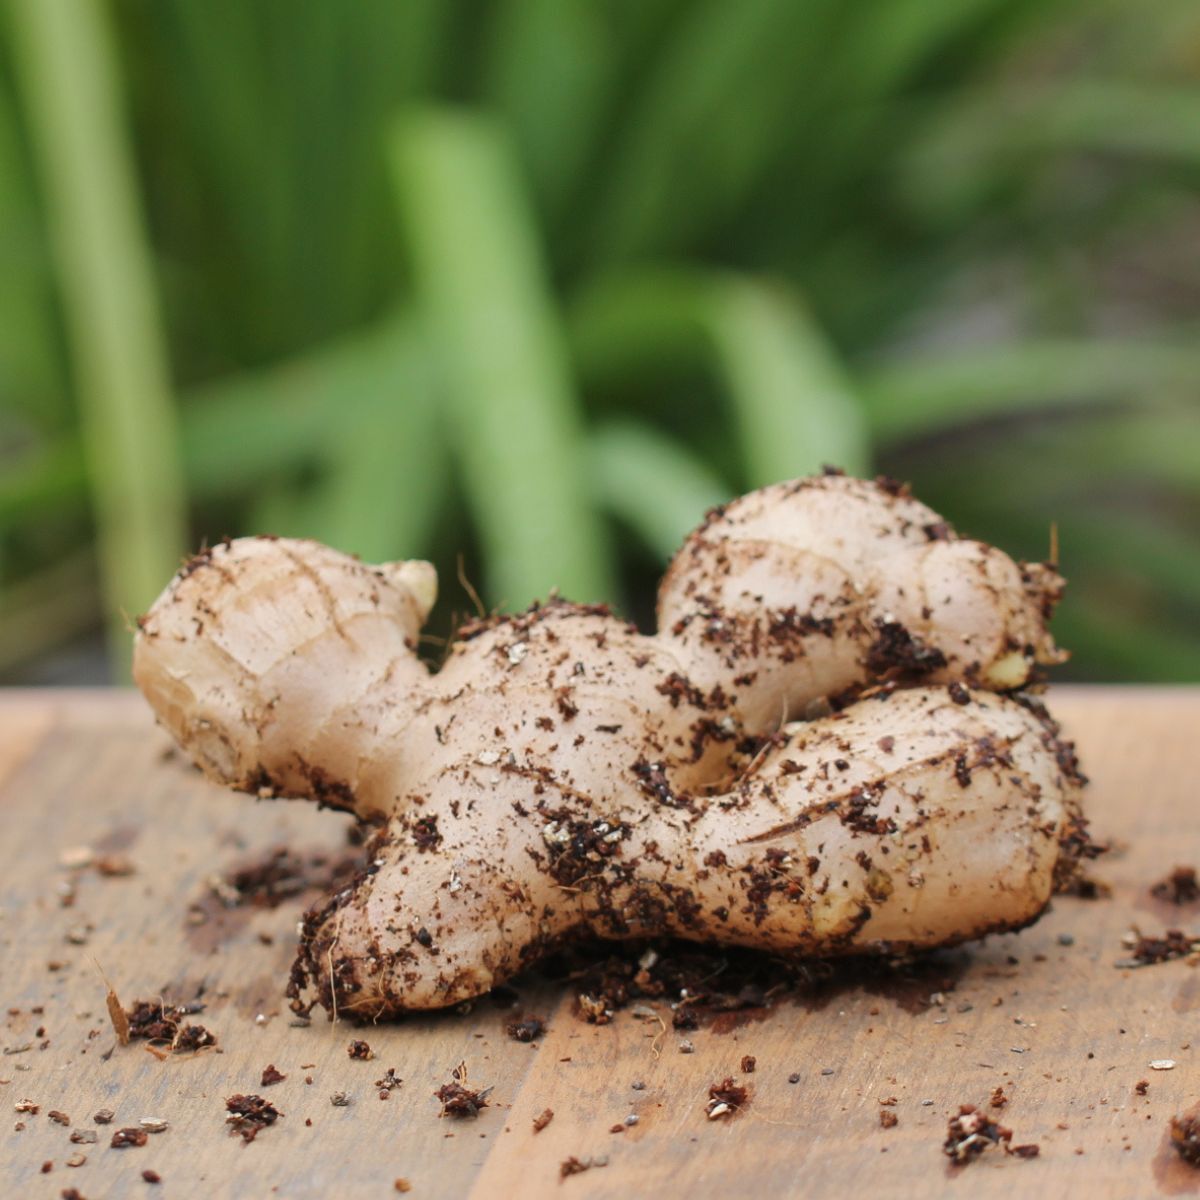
(22,727)
(1066,1033)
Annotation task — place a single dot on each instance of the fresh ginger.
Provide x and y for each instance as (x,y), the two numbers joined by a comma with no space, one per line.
(564,773)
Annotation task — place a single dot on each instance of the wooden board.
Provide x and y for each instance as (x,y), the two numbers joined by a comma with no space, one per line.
(1065,1032)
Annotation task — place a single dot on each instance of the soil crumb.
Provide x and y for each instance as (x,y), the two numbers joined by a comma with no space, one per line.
(972,1132)
(164,1024)
(725,1099)
(457,1099)
(1180,887)
(526,1029)
(250,1115)
(1148,951)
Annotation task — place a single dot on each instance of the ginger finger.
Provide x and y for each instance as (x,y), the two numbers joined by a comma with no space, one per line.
(831,845)
(276,663)
(825,586)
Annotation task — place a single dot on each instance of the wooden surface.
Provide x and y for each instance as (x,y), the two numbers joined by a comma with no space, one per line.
(1066,1033)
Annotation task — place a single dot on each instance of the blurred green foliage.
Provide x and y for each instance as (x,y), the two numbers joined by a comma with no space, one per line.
(538,280)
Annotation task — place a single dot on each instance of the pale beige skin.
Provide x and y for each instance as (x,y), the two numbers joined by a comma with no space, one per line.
(562,771)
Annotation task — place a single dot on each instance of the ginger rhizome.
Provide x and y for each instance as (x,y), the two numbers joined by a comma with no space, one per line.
(823,750)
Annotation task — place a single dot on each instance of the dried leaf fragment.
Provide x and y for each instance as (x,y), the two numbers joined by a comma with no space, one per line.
(116,1014)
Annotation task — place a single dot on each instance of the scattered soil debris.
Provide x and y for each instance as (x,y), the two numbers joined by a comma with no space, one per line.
(160,1023)
(27,1106)
(103,1116)
(79,858)
(1180,887)
(271,1075)
(59,1118)
(998,1098)
(1185,1137)
(724,988)
(130,1136)
(154,1124)
(543,1119)
(575,1166)
(888,1119)
(970,1133)
(526,1029)
(749,1062)
(151,1176)
(115,866)
(594,1009)
(698,982)
(1147,951)
(1142,1086)
(389,1083)
(250,1115)
(339,1100)
(191,1038)
(402,1185)
(282,874)
(1086,887)
(725,1098)
(457,1099)
(84,1137)
(360,1051)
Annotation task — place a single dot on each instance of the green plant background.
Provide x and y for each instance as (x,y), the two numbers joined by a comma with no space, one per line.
(530,283)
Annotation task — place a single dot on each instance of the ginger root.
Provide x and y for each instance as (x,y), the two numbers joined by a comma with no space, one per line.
(562,772)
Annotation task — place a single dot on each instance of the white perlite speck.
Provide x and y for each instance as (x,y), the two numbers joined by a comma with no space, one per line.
(1163,1064)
